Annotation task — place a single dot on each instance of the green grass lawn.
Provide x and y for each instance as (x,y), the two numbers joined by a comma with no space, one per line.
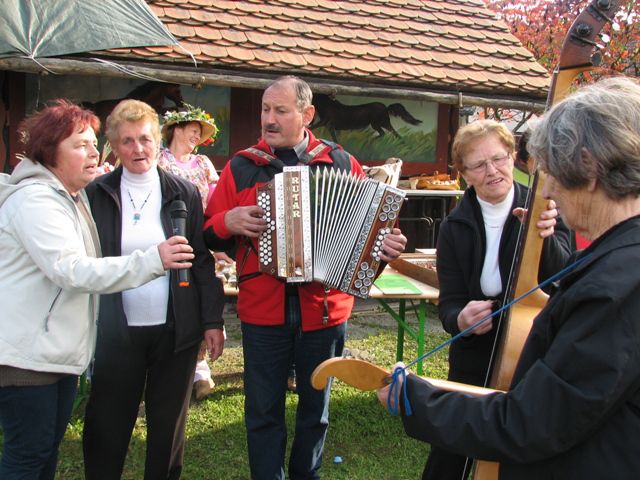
(372,443)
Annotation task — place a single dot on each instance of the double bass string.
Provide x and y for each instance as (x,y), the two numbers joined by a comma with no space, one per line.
(546,282)
(394,393)
(511,283)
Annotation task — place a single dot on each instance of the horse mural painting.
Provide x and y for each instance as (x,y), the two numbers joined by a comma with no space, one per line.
(333,115)
(153,93)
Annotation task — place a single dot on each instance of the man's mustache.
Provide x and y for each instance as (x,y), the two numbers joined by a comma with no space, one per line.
(272,127)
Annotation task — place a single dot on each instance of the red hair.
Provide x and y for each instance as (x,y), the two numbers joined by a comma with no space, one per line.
(42,132)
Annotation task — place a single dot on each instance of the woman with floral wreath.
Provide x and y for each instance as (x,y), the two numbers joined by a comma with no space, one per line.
(183,132)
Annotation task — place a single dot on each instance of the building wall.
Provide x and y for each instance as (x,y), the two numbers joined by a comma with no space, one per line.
(237,113)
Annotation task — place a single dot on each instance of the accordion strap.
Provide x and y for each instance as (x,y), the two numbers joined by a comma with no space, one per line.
(277,164)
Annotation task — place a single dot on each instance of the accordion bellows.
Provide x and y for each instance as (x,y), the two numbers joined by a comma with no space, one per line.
(326,226)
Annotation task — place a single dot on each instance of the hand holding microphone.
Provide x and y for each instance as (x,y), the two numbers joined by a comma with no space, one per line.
(178,214)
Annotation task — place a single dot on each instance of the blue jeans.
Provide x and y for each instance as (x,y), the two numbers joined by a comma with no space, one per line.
(267,357)
(34,419)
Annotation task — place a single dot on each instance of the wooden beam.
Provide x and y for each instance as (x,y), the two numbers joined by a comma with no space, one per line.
(257,80)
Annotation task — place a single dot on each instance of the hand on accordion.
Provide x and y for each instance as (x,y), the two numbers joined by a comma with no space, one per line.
(393,245)
(246,221)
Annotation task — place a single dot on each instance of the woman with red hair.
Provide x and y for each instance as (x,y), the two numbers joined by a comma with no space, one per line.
(51,275)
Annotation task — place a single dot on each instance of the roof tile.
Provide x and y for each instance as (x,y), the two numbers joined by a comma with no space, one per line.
(292,59)
(392,68)
(276,24)
(240,53)
(334,47)
(161,49)
(413,43)
(159,11)
(266,56)
(377,52)
(284,41)
(214,51)
(208,33)
(204,17)
(177,13)
(343,32)
(399,53)
(233,37)
(143,52)
(320,61)
(366,66)
(181,31)
(260,39)
(308,3)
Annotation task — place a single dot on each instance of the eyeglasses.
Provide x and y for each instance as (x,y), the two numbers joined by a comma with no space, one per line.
(497,162)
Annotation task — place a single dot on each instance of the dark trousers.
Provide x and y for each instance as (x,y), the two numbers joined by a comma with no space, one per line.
(122,374)
(34,419)
(442,464)
(267,357)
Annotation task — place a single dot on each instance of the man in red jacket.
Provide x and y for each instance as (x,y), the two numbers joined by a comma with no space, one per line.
(282,322)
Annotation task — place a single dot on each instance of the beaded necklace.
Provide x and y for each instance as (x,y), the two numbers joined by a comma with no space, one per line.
(137,213)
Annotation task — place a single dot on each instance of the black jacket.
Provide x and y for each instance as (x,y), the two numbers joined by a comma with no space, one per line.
(460,256)
(573,411)
(192,309)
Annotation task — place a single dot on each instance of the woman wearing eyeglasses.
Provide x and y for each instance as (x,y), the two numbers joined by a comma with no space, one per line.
(475,251)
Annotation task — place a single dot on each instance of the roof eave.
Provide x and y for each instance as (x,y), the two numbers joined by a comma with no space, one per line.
(204,75)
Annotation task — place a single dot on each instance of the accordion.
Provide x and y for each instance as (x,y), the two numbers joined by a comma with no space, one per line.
(327,226)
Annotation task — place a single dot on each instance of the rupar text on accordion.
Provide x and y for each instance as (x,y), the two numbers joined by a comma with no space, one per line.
(326,226)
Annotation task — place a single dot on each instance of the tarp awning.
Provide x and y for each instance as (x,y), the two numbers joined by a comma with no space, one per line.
(47,28)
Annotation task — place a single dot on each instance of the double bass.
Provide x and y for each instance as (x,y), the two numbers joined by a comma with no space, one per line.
(577,56)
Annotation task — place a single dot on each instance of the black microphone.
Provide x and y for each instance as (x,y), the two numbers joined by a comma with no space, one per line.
(178,214)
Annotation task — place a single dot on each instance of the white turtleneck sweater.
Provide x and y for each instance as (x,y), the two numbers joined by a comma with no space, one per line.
(494,217)
(142,199)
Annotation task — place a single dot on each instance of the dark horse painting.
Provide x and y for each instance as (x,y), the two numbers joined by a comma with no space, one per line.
(333,115)
(153,93)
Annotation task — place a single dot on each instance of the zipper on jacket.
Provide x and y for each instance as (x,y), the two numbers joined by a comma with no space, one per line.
(46,319)
(325,306)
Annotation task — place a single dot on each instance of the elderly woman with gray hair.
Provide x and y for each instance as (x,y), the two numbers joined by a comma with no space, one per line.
(573,408)
(148,337)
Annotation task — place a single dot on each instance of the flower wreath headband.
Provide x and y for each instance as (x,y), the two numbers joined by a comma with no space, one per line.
(189,113)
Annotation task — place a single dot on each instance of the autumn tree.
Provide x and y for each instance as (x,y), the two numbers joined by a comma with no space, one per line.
(541,26)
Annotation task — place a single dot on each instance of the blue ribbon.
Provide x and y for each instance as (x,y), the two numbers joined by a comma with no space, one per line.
(395,394)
